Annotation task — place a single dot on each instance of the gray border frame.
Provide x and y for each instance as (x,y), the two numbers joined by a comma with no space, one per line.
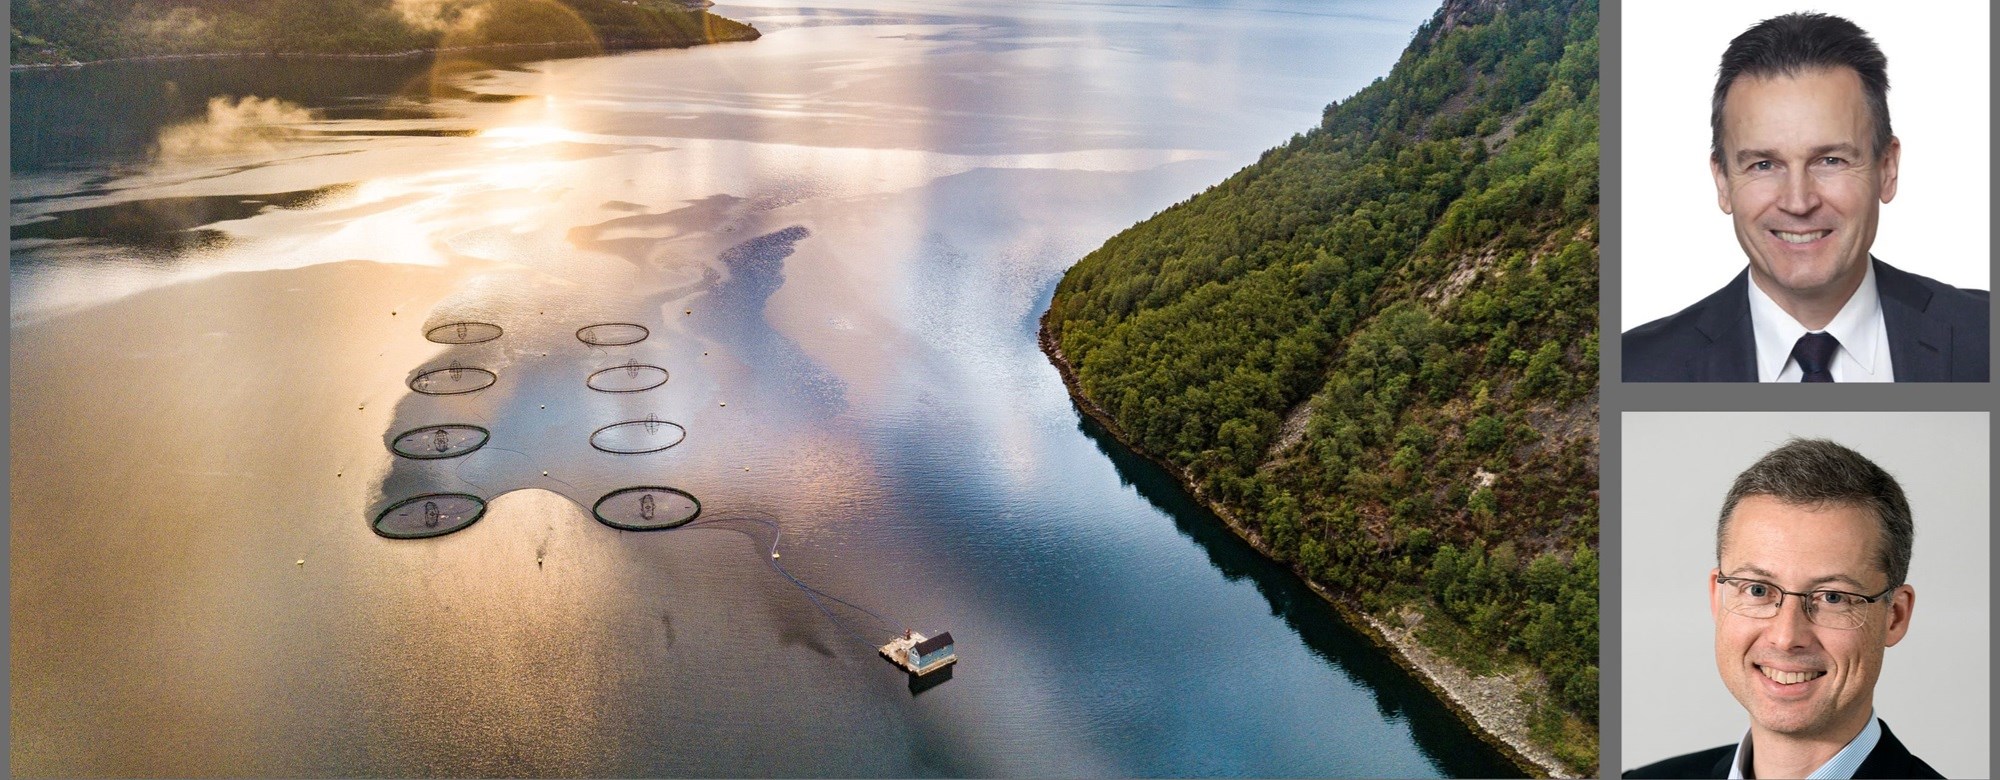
(1617,397)
(1610,232)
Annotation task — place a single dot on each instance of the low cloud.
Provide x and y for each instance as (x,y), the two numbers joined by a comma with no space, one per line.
(233,125)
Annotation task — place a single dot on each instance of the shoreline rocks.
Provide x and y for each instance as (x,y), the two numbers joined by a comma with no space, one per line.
(1491,705)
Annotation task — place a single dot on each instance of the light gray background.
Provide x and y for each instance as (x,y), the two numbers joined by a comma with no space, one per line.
(1677,465)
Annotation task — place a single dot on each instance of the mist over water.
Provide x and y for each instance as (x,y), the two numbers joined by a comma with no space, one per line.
(837,240)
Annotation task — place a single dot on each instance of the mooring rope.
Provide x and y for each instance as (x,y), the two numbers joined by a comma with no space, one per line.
(812,594)
(458,472)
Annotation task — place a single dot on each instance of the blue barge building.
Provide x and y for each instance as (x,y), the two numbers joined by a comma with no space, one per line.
(919,655)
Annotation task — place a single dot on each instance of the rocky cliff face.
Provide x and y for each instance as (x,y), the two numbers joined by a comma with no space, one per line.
(1455,14)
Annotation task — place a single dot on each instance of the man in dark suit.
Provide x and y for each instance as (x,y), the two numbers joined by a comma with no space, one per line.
(1813,548)
(1936,333)
(1889,759)
(1803,159)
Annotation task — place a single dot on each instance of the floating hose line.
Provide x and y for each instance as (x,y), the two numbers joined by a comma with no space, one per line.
(459,472)
(812,594)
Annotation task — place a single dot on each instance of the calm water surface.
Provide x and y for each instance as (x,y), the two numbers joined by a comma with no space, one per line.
(839,238)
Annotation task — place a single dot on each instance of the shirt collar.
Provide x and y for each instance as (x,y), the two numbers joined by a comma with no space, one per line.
(1856,326)
(1841,767)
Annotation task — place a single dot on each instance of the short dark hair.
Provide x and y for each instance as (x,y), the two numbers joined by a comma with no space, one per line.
(1819,472)
(1794,43)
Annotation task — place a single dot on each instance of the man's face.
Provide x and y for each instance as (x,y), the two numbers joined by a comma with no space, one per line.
(1801,181)
(1802,548)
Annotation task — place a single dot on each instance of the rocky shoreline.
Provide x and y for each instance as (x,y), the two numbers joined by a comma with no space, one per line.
(1492,702)
(1491,705)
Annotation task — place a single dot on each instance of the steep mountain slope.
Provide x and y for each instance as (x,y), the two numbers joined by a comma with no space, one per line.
(1375,350)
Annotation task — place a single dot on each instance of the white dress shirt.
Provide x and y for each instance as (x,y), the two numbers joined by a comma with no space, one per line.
(1842,766)
(1864,340)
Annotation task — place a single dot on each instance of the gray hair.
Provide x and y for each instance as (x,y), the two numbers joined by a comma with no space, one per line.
(1819,472)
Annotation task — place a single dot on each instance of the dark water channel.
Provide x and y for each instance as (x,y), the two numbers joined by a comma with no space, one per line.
(838,239)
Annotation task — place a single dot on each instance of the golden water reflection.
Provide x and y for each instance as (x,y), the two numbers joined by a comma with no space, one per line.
(838,236)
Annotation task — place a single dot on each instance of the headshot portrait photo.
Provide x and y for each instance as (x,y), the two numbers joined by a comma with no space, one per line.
(1791,235)
(1715,639)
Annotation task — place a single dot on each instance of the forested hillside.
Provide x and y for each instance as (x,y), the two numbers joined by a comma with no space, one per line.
(1376,348)
(58,31)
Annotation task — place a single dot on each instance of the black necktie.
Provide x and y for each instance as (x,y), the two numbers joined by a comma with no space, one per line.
(1815,355)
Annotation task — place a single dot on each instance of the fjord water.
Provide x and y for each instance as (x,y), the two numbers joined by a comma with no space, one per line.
(838,238)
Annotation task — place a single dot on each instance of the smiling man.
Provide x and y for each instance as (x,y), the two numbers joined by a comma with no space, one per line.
(1803,159)
(1812,548)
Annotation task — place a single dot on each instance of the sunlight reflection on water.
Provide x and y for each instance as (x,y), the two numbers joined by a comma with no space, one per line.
(838,237)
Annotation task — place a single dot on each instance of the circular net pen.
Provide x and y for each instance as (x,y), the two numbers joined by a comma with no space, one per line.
(463,332)
(453,380)
(646,508)
(612,334)
(633,377)
(436,442)
(637,437)
(431,514)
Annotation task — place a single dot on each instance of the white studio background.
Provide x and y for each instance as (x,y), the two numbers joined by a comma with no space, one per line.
(1933,691)
(1678,246)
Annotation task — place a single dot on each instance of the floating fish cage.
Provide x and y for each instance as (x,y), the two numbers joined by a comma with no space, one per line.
(919,655)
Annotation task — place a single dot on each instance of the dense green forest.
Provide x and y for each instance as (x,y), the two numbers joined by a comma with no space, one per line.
(60,31)
(1376,347)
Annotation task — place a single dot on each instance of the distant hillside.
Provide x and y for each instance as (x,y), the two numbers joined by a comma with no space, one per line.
(1375,350)
(65,31)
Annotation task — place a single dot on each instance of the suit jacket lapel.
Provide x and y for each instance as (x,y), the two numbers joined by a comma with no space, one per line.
(1728,761)
(1731,355)
(1919,346)
(1888,759)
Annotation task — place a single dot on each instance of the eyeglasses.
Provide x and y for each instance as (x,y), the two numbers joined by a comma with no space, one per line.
(1830,608)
